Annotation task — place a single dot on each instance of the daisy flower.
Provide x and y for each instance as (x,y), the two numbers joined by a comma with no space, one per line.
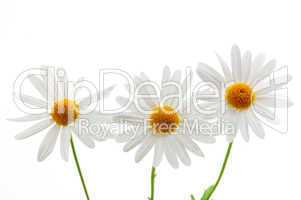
(162,121)
(245,92)
(63,119)
(248,92)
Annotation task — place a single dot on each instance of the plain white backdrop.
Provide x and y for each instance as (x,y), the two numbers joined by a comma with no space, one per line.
(135,35)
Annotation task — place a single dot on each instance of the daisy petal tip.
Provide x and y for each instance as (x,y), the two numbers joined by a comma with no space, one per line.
(175,166)
(40,158)
(261,136)
(201,154)
(188,163)
(19,137)
(112,87)
(16,137)
(125,149)
(235,47)
(166,67)
(201,65)
(137,160)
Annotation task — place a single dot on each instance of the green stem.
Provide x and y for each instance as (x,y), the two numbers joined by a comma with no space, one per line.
(79,169)
(222,170)
(153,176)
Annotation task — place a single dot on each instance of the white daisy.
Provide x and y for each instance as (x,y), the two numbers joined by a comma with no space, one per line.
(244,92)
(64,117)
(162,125)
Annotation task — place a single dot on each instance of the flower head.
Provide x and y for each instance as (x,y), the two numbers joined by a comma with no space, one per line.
(161,121)
(246,94)
(63,118)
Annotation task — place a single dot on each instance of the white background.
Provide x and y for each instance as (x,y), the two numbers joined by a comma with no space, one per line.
(84,36)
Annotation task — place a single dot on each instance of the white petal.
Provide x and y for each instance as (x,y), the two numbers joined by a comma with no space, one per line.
(48,143)
(85,139)
(145,147)
(244,127)
(170,154)
(32,117)
(226,70)
(181,151)
(274,101)
(65,143)
(187,81)
(96,97)
(210,72)
(106,92)
(236,63)
(257,65)
(255,125)
(262,74)
(190,145)
(176,76)
(266,113)
(39,85)
(134,142)
(267,90)
(121,137)
(51,85)
(258,62)
(87,101)
(166,74)
(123,101)
(172,89)
(150,101)
(158,155)
(33,101)
(34,129)
(246,66)
(229,115)
(143,77)
(61,90)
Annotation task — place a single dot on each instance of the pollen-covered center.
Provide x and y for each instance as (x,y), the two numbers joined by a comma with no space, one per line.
(65,112)
(164,120)
(240,96)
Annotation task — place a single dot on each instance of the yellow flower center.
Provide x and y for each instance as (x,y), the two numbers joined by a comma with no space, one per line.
(65,112)
(164,120)
(240,96)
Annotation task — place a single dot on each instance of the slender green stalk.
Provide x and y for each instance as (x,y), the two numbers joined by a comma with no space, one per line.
(153,176)
(79,169)
(222,170)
